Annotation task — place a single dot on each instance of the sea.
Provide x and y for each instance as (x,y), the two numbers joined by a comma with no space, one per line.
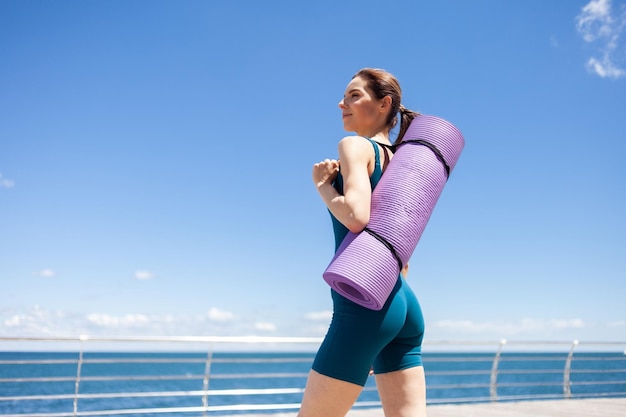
(179,380)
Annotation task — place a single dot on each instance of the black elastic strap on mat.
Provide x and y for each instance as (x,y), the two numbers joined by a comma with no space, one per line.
(387,245)
(433,148)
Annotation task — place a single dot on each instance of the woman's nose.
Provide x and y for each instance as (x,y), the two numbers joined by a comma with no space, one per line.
(341,104)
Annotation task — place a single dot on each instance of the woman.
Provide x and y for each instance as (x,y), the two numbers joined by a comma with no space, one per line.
(389,339)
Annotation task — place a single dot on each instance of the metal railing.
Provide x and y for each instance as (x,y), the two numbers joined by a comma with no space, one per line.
(80,380)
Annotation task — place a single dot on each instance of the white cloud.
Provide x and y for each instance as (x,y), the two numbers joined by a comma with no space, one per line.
(265,327)
(595,20)
(215,314)
(523,327)
(47,273)
(325,315)
(36,321)
(600,24)
(128,320)
(605,68)
(14,321)
(144,275)
(566,324)
(5,182)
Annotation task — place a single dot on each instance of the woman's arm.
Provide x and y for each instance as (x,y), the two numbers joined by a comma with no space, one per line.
(405,270)
(352,208)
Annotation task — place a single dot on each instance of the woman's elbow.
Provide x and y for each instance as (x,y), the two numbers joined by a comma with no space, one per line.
(358,213)
(357,223)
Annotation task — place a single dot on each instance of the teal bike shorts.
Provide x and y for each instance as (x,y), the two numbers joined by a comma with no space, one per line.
(389,339)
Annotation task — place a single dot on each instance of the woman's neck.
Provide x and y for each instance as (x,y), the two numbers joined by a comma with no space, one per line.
(382,137)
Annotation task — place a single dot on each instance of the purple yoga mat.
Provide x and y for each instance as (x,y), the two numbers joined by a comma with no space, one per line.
(364,269)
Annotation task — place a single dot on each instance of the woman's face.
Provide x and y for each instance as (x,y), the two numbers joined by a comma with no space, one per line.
(362,113)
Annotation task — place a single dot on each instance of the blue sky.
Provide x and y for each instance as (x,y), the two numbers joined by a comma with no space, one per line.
(155,164)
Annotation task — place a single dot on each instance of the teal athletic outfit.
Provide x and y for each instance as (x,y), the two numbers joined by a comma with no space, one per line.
(390,339)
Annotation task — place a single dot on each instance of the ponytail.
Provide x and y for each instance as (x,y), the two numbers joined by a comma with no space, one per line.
(406,117)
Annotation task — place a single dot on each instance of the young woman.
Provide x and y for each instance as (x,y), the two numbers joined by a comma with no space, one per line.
(389,339)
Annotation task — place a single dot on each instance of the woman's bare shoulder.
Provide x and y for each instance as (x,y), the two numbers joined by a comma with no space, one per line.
(354,144)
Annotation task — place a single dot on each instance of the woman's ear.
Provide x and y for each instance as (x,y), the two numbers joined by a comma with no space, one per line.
(385,103)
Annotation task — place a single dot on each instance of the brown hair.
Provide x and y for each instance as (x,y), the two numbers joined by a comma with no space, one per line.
(382,84)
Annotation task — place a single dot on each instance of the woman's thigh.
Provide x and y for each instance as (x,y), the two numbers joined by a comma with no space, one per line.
(328,397)
(403,393)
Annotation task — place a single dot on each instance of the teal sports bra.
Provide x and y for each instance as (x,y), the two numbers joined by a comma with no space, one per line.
(338,228)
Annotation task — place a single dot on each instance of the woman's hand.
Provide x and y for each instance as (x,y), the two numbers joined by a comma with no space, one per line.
(325,172)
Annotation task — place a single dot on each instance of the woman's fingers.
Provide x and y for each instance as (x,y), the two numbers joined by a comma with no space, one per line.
(325,171)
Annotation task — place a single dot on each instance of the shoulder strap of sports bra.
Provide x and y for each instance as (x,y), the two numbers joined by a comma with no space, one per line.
(376,152)
(387,157)
(386,149)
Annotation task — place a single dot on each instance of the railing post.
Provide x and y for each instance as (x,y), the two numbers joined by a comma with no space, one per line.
(205,381)
(79,366)
(567,382)
(493,383)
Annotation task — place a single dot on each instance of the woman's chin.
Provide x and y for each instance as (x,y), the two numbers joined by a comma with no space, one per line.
(348,127)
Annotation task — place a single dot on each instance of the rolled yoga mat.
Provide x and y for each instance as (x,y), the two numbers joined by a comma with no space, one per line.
(366,266)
